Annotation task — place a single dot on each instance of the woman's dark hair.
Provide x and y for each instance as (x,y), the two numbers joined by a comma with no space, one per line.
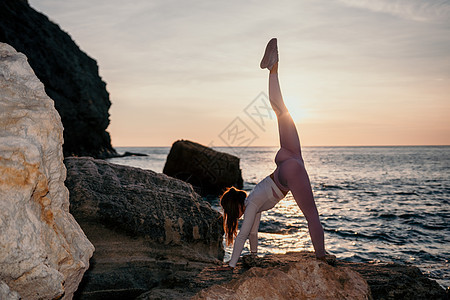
(232,200)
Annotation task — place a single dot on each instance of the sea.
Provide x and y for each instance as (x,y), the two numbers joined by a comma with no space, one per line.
(376,204)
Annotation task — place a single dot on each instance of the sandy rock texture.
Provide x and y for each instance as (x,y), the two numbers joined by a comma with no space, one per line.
(44,253)
(302,278)
(6,293)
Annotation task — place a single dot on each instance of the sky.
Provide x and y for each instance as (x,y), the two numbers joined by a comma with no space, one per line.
(352,73)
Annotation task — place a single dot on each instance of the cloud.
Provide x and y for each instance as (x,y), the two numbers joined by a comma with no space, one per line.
(433,11)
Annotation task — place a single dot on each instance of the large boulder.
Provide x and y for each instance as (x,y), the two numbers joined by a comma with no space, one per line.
(70,77)
(44,252)
(208,170)
(281,277)
(147,227)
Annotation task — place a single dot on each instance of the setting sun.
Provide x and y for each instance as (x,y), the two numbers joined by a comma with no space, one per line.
(299,109)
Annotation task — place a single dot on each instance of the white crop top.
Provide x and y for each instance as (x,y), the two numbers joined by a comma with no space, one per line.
(264,196)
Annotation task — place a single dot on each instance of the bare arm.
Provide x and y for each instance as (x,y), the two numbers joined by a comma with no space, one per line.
(253,237)
(249,219)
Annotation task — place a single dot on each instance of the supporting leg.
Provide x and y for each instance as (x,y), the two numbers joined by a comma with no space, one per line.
(300,186)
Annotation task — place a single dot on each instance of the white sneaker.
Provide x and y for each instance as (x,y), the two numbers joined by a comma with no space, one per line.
(270,56)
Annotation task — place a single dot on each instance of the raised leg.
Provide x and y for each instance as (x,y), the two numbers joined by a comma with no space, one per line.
(291,171)
(289,139)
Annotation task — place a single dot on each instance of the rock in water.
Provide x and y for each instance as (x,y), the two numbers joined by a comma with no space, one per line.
(146,227)
(397,281)
(44,252)
(209,171)
(70,77)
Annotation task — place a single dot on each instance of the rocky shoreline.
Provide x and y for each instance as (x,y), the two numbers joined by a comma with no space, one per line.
(134,260)
(266,276)
(154,235)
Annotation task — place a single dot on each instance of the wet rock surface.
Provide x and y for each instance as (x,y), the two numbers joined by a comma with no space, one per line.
(209,171)
(396,281)
(70,76)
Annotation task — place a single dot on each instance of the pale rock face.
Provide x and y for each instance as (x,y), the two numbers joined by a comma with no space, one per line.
(6,293)
(44,253)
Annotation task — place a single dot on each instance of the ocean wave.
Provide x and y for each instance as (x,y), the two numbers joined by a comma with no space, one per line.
(410,216)
(375,236)
(276,229)
(406,193)
(386,216)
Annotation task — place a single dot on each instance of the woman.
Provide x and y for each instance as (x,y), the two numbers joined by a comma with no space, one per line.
(290,175)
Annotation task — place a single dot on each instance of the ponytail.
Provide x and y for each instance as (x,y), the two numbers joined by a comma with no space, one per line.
(232,200)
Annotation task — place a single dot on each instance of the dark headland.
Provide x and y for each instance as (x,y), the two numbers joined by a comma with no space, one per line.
(70,77)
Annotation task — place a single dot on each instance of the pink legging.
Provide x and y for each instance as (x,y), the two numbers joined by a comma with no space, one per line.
(290,173)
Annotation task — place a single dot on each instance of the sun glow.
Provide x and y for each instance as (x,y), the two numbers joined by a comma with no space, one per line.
(297,109)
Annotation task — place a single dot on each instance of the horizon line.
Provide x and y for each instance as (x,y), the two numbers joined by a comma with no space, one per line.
(271,146)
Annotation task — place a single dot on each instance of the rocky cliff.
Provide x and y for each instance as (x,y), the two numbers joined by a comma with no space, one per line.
(44,253)
(148,228)
(70,77)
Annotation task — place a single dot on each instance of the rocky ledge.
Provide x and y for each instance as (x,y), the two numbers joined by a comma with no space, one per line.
(147,228)
(299,275)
